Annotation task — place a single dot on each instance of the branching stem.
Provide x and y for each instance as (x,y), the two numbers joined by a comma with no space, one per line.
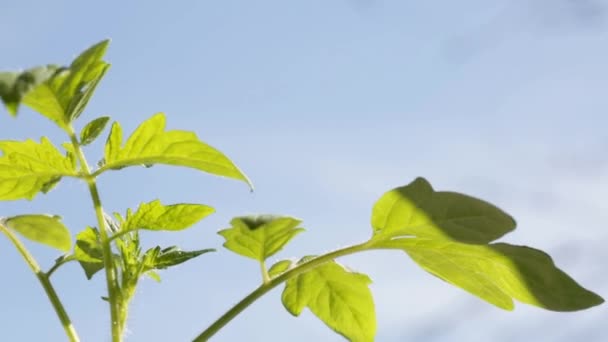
(274,282)
(117,322)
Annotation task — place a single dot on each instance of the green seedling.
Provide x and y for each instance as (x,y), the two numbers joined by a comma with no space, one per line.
(450,235)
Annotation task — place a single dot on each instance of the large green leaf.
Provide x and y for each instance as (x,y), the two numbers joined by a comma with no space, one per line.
(44,229)
(157,216)
(93,129)
(259,237)
(62,98)
(14,85)
(151,144)
(88,251)
(498,273)
(340,298)
(418,210)
(28,167)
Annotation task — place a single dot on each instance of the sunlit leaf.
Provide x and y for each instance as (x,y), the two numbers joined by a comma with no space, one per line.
(45,229)
(14,85)
(28,167)
(498,273)
(340,298)
(418,210)
(93,129)
(259,237)
(88,251)
(279,267)
(63,97)
(86,71)
(157,216)
(158,259)
(154,276)
(151,144)
(70,153)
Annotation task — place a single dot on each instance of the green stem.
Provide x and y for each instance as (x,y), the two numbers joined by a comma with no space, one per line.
(274,282)
(60,262)
(46,284)
(264,270)
(117,321)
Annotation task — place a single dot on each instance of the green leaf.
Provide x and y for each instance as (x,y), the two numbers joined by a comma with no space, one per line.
(63,97)
(87,70)
(157,259)
(93,129)
(340,298)
(279,267)
(157,216)
(154,275)
(70,153)
(45,229)
(28,167)
(498,273)
(151,144)
(418,210)
(14,85)
(88,251)
(259,237)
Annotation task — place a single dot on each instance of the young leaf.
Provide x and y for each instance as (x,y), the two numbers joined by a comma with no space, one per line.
(499,272)
(93,129)
(154,275)
(88,251)
(279,267)
(70,153)
(340,298)
(157,259)
(63,97)
(45,229)
(417,210)
(14,85)
(28,167)
(86,71)
(157,216)
(259,237)
(151,144)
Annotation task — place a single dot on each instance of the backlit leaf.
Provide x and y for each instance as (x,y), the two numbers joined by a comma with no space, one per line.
(154,276)
(63,97)
(340,298)
(14,85)
(418,210)
(28,167)
(45,229)
(279,267)
(157,216)
(157,259)
(151,144)
(259,237)
(93,129)
(498,273)
(88,251)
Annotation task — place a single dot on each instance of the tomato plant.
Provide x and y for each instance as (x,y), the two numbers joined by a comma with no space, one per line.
(448,234)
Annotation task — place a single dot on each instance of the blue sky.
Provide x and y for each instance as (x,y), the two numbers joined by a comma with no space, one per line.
(326,105)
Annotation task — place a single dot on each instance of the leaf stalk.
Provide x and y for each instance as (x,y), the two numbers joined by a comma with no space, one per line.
(70,331)
(274,282)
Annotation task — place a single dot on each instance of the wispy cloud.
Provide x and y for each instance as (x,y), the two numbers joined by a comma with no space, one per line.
(512,19)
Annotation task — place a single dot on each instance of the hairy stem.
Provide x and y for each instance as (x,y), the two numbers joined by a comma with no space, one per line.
(274,282)
(117,321)
(46,284)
